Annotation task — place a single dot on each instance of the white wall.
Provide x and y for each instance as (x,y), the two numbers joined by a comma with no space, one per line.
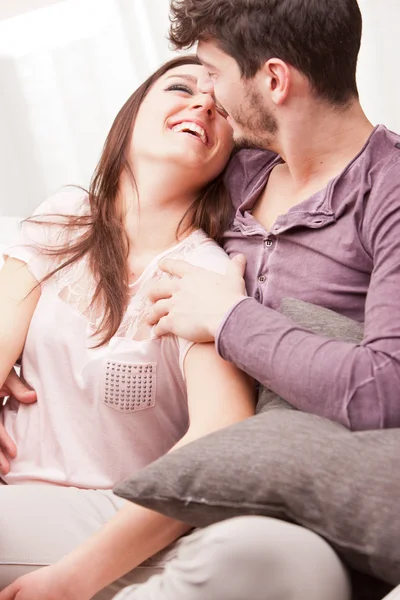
(378,72)
(66,67)
(11,8)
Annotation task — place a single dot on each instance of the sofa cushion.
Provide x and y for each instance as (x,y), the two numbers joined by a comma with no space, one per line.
(290,465)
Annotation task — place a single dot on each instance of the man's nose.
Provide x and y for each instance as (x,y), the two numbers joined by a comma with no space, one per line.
(205,84)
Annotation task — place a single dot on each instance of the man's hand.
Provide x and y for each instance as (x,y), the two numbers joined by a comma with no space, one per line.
(194,303)
(13,386)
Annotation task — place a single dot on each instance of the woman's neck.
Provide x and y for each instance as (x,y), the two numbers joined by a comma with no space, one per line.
(153,211)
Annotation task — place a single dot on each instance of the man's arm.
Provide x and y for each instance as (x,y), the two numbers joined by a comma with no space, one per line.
(354,384)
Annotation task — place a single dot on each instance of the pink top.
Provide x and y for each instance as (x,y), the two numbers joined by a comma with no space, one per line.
(101,413)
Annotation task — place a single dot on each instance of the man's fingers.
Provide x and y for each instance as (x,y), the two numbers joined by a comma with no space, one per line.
(164,288)
(9,593)
(162,328)
(4,464)
(175,267)
(25,396)
(7,445)
(19,389)
(159,310)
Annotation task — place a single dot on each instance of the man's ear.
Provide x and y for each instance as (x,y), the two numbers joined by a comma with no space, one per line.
(276,75)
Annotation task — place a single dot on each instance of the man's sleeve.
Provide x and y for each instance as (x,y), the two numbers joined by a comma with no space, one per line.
(357,385)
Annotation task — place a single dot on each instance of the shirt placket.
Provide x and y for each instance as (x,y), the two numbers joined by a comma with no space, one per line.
(250,227)
(268,245)
(269,240)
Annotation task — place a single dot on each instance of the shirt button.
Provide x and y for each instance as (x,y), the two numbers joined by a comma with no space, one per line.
(257,295)
(262,279)
(268,243)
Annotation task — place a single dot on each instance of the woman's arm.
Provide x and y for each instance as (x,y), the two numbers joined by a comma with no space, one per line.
(218,395)
(19,295)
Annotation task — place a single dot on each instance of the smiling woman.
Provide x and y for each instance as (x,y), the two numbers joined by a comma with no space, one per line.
(112,397)
(177,99)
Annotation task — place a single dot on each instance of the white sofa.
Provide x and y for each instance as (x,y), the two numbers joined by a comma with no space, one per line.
(9,227)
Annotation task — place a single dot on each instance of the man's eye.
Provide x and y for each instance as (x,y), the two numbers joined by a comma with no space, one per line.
(212,75)
(180,87)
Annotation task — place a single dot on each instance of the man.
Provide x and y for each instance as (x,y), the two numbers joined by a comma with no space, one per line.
(318,219)
(319,223)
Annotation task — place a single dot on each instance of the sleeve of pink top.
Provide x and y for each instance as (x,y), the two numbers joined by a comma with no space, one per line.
(45,231)
(356,385)
(33,237)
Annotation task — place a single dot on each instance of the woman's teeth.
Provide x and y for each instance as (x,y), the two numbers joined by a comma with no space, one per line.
(193,128)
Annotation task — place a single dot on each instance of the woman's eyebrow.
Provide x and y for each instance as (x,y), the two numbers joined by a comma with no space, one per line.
(187,77)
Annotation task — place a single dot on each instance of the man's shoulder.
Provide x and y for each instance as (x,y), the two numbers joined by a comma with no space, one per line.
(380,193)
(383,151)
(245,168)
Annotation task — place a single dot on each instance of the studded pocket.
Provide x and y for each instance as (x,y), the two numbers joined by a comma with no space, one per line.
(129,387)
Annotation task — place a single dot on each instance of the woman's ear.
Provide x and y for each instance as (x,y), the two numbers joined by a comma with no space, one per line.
(276,76)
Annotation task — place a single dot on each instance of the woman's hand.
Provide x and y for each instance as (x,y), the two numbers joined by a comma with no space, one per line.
(47,583)
(13,386)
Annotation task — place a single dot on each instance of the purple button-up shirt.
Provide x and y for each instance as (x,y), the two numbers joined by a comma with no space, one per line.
(339,249)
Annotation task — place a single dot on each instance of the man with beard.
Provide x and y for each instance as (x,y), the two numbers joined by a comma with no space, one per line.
(316,195)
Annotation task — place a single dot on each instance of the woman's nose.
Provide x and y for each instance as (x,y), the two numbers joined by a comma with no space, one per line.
(204,102)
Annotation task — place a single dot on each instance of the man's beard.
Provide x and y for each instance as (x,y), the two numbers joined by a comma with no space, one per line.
(258,124)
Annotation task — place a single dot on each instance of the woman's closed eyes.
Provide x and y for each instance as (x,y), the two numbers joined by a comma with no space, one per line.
(180,87)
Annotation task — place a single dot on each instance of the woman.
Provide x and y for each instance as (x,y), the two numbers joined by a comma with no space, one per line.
(111,396)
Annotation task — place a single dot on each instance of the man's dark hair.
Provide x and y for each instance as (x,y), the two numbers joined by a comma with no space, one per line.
(319,38)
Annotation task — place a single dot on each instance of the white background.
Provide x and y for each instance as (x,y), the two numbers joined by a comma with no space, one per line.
(67,66)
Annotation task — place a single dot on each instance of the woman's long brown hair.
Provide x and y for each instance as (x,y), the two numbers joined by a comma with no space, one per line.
(104,240)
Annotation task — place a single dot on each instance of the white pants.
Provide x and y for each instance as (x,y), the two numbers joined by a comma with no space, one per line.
(39,524)
(249,558)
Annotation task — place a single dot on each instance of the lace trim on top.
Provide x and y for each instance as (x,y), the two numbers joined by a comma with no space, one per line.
(76,287)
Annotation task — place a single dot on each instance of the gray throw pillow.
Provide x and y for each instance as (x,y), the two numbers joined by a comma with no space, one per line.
(290,465)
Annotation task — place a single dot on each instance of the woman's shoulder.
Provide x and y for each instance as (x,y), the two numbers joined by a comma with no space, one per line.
(45,230)
(69,201)
(200,250)
(48,225)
